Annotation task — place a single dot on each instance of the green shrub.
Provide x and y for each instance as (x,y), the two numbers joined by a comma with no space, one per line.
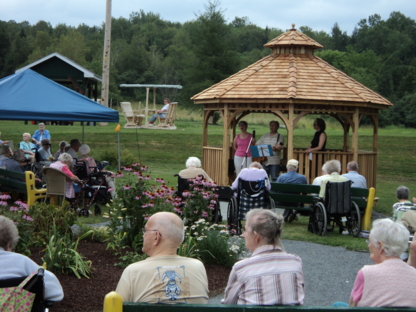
(130,257)
(136,201)
(46,216)
(61,255)
(126,157)
(214,243)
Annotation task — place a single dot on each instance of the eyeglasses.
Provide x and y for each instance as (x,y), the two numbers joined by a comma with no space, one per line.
(144,231)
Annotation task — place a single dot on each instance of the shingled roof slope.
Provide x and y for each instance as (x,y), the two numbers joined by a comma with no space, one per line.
(291,76)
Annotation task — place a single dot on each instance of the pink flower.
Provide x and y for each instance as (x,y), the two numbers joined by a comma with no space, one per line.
(147,177)
(110,189)
(14,208)
(204,214)
(144,205)
(119,174)
(195,211)
(207,197)
(213,202)
(128,169)
(146,217)
(143,168)
(127,187)
(5,196)
(3,203)
(27,217)
(138,197)
(212,207)
(135,165)
(186,194)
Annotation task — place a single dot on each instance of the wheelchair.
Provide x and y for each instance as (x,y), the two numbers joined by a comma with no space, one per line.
(336,209)
(93,189)
(184,184)
(250,195)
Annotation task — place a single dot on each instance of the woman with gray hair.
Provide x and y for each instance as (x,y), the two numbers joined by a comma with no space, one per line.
(62,164)
(390,282)
(270,276)
(14,265)
(193,169)
(85,150)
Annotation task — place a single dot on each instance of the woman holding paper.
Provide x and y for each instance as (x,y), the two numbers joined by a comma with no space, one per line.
(242,157)
(276,140)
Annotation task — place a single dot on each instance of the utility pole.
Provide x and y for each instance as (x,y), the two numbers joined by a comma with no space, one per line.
(106,56)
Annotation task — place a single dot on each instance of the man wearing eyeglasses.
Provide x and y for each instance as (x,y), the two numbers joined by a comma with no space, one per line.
(164,277)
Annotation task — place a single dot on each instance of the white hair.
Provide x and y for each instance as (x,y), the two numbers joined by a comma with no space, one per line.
(256,164)
(65,157)
(393,235)
(332,166)
(193,161)
(84,149)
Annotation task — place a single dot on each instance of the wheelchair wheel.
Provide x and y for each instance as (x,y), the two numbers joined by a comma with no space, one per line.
(354,220)
(232,215)
(318,219)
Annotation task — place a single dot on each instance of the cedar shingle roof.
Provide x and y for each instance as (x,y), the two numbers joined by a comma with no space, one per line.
(293,37)
(292,76)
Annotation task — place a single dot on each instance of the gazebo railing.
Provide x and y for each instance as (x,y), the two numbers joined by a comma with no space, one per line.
(313,168)
(212,156)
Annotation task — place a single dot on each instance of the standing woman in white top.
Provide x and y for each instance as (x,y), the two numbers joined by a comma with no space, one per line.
(160,113)
(276,140)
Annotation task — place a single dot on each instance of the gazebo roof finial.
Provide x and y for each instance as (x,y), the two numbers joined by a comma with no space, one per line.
(293,26)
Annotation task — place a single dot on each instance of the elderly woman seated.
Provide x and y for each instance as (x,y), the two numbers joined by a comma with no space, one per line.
(270,276)
(193,169)
(84,150)
(61,150)
(62,164)
(8,163)
(16,265)
(28,147)
(254,172)
(390,282)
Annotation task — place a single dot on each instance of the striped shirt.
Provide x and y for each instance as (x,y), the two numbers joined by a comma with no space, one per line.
(269,277)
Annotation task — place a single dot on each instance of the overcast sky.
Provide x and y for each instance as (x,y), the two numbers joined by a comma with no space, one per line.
(317,14)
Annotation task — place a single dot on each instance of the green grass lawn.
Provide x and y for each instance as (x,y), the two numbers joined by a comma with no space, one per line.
(165,152)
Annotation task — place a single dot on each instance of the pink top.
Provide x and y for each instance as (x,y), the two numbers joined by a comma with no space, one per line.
(357,291)
(242,145)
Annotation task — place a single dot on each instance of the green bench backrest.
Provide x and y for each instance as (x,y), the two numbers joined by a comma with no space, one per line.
(304,193)
(143,307)
(11,184)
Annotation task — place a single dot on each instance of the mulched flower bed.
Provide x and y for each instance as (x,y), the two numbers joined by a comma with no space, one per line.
(88,294)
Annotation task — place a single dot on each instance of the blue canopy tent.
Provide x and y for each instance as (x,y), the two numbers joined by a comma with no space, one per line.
(28,95)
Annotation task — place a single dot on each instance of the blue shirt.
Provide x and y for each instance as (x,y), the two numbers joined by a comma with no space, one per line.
(292,177)
(357,179)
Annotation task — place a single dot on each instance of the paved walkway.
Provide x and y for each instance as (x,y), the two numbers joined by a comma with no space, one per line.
(329,271)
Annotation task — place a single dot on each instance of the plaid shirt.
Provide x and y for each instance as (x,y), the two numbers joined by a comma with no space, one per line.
(270,277)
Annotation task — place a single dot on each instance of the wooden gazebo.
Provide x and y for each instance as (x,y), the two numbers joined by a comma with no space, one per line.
(291,83)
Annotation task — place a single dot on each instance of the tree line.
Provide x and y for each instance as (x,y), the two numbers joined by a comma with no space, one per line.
(145,49)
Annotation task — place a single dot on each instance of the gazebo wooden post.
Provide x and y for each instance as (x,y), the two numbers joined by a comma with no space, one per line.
(356,120)
(225,147)
(290,129)
(346,127)
(205,129)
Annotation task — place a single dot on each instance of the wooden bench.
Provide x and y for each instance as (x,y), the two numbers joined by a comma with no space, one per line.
(21,182)
(113,303)
(304,195)
(169,120)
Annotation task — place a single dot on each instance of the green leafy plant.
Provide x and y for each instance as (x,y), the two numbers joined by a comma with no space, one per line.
(199,201)
(48,218)
(99,234)
(214,243)
(137,200)
(188,248)
(61,255)
(129,257)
